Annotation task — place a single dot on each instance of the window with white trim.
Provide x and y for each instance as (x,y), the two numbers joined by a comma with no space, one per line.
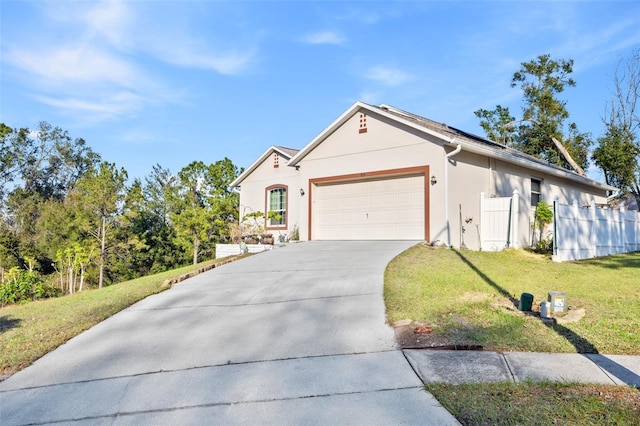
(536,191)
(277,214)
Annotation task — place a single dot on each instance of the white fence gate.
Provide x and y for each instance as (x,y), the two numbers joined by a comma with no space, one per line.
(586,232)
(498,222)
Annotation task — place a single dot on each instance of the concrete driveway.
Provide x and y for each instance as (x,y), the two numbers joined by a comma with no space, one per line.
(296,335)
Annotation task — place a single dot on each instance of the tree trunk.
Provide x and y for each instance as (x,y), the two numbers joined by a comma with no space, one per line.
(567,156)
(81,277)
(196,247)
(70,279)
(103,240)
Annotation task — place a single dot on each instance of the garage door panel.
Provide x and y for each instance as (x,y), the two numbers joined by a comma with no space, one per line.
(390,208)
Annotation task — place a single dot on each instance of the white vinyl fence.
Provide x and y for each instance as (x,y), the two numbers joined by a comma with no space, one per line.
(586,232)
(498,222)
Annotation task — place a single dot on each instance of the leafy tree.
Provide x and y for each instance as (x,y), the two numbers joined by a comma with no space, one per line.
(101,193)
(205,204)
(225,201)
(37,167)
(496,123)
(541,131)
(9,250)
(7,159)
(160,237)
(46,162)
(193,215)
(618,151)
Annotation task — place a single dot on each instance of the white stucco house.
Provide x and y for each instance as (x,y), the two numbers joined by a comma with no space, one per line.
(380,173)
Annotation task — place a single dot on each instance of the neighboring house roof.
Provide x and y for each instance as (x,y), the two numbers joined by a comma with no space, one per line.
(285,153)
(453,137)
(290,151)
(627,200)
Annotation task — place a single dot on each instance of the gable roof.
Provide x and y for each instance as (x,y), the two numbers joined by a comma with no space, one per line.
(286,153)
(451,137)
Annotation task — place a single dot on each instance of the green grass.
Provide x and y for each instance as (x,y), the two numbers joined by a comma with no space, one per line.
(472,297)
(539,404)
(29,331)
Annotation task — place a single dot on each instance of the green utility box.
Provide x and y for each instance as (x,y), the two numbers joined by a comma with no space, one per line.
(558,302)
(526,301)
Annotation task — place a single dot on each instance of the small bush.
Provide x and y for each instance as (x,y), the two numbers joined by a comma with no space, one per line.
(544,246)
(295,234)
(22,286)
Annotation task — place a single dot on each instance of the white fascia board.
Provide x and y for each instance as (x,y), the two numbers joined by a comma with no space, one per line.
(256,163)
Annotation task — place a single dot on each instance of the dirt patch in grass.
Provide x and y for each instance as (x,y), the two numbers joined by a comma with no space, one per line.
(420,335)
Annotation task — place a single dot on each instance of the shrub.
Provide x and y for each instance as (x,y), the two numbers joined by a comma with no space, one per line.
(295,234)
(23,286)
(544,246)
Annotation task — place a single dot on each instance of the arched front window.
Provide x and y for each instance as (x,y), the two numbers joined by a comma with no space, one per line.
(277,206)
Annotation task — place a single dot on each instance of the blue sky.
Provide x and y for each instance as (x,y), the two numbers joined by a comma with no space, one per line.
(170,82)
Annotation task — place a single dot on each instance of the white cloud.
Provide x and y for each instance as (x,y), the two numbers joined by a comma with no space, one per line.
(326,37)
(108,107)
(74,64)
(189,54)
(388,76)
(370,97)
(111,19)
(600,44)
(92,59)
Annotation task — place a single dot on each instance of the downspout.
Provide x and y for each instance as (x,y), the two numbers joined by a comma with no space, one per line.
(446,190)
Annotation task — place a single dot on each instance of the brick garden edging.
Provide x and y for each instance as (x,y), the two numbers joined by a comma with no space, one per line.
(171,281)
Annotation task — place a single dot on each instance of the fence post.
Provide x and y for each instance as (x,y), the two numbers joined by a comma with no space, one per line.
(609,232)
(593,240)
(623,236)
(482,220)
(554,256)
(623,229)
(636,225)
(575,244)
(515,219)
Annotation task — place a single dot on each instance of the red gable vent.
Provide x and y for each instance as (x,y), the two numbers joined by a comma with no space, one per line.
(276,160)
(363,123)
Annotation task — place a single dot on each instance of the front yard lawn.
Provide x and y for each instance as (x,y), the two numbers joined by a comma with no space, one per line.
(472,298)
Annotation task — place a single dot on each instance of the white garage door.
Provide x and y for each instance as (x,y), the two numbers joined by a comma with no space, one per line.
(382,209)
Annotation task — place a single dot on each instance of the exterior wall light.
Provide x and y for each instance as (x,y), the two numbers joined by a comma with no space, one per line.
(301,192)
(433,180)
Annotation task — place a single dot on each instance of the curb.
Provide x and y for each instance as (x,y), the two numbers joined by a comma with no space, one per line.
(171,281)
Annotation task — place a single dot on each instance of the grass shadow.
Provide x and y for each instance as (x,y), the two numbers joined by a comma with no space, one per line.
(488,280)
(582,345)
(629,260)
(7,323)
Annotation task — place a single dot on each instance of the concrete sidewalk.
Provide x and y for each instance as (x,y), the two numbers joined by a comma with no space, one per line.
(455,367)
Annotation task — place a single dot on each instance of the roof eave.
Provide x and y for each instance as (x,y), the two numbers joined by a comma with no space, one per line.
(565,174)
(256,163)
